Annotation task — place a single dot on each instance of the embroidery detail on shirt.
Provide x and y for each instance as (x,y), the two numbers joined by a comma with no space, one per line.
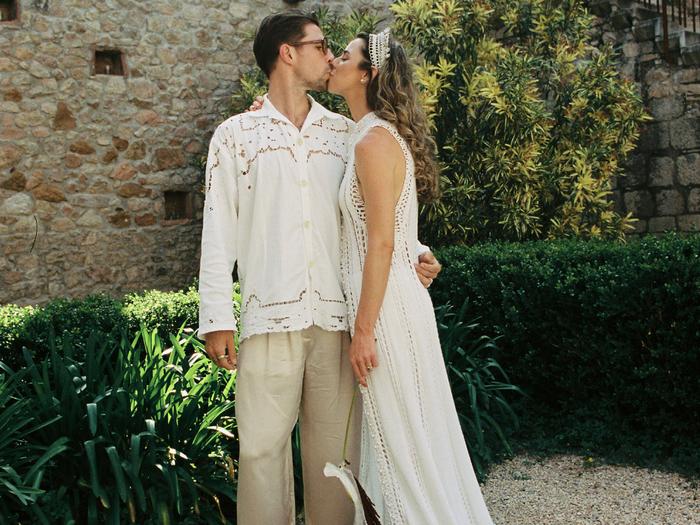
(258,124)
(214,165)
(265,150)
(279,303)
(324,152)
(327,125)
(324,300)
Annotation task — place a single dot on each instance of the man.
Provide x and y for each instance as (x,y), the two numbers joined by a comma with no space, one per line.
(272,206)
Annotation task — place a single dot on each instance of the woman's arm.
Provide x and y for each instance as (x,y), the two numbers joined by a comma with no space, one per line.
(380,168)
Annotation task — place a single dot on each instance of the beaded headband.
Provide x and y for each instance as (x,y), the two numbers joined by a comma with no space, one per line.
(379,48)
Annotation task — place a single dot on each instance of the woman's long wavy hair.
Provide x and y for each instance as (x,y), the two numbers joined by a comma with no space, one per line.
(392,95)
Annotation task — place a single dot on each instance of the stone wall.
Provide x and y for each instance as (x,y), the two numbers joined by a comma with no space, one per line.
(99,175)
(662,182)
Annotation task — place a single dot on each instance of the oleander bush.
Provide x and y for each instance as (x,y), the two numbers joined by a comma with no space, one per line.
(607,326)
(532,122)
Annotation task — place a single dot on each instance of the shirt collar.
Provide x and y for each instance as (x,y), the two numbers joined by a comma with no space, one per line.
(317,112)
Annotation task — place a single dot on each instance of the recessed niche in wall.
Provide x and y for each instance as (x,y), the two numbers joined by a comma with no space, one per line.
(108,62)
(178,205)
(8,10)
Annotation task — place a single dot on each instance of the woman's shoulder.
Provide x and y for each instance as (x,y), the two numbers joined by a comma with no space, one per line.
(378,140)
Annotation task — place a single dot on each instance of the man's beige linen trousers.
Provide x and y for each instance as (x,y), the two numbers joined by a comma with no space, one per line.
(283,376)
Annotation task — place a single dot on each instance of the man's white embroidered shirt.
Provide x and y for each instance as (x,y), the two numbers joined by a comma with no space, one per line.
(272,205)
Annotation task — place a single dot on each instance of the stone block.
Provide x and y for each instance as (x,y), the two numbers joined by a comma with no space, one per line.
(10,155)
(62,224)
(124,172)
(120,219)
(669,202)
(63,119)
(49,192)
(662,224)
(82,147)
(169,158)
(689,223)
(136,151)
(661,172)
(689,169)
(91,219)
(655,136)
(15,182)
(110,156)
(147,219)
(640,226)
(639,203)
(17,204)
(694,200)
(131,189)
(73,161)
(12,95)
(120,143)
(685,133)
(667,108)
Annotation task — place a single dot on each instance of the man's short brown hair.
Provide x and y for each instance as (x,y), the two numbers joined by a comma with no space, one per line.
(275,30)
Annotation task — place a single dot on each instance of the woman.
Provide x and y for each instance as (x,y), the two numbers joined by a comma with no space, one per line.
(415,465)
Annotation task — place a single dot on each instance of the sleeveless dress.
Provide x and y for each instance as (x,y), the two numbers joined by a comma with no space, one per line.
(414,462)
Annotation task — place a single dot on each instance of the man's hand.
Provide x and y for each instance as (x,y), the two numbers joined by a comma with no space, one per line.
(256,105)
(221,348)
(427,268)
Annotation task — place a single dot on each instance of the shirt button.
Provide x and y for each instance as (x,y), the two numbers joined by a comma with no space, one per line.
(311,264)
(300,141)
(304,183)
(307,224)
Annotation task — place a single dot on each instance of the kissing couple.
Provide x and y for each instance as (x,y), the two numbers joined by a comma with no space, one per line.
(320,214)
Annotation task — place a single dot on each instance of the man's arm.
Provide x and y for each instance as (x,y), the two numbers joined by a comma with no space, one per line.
(219,238)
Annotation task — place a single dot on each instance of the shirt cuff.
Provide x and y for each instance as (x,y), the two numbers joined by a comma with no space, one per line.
(422,248)
(214,327)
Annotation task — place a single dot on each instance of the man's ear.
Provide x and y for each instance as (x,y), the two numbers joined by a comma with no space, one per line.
(286,54)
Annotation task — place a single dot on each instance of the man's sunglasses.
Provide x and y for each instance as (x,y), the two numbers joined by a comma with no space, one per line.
(322,42)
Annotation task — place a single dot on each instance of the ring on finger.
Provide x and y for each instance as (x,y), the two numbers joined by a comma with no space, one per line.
(369,368)
(220,357)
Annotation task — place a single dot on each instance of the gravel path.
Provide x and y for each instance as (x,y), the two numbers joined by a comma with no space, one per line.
(573,490)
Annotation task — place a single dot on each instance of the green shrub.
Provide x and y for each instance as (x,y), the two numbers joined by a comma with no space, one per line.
(13,319)
(167,312)
(591,323)
(164,311)
(147,431)
(77,319)
(30,327)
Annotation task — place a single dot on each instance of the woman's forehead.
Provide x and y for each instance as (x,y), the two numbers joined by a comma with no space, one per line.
(355,45)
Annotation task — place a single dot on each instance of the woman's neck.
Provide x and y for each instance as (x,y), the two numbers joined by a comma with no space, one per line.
(357,104)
